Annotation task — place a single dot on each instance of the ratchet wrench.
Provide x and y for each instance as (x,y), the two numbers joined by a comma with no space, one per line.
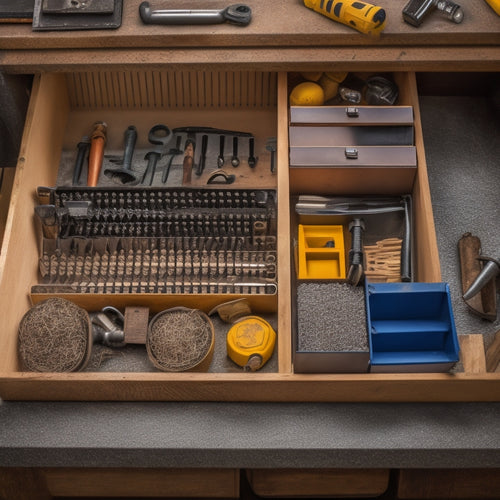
(237,14)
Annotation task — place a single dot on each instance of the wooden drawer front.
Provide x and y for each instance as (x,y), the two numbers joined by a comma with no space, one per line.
(316,483)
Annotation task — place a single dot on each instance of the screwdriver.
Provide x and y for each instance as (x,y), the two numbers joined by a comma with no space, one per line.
(96,154)
(362,16)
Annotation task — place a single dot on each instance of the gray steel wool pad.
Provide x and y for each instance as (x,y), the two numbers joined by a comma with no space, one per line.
(331,317)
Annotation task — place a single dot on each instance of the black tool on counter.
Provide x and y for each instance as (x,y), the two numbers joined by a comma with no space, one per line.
(415,11)
(237,14)
(159,136)
(124,174)
(82,150)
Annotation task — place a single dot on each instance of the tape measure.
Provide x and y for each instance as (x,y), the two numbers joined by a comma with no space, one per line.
(250,342)
(361,16)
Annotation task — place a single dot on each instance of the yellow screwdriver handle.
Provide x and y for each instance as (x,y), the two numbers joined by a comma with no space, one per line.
(362,16)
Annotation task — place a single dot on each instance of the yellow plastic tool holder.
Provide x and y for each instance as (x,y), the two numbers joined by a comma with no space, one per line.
(321,252)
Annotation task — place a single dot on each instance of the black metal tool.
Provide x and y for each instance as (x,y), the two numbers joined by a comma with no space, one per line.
(203,155)
(271,146)
(406,243)
(235,161)
(252,160)
(160,136)
(355,270)
(221,177)
(124,174)
(489,272)
(82,150)
(237,14)
(220,158)
(172,152)
(415,11)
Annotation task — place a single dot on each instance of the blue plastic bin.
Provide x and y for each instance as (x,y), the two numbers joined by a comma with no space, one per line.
(410,327)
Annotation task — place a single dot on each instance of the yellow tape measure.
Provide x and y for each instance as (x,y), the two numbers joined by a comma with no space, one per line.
(361,16)
(250,342)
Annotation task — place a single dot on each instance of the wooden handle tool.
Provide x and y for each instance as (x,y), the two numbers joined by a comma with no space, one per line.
(187,165)
(96,154)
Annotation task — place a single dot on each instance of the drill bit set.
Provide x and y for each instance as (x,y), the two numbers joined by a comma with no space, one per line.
(157,241)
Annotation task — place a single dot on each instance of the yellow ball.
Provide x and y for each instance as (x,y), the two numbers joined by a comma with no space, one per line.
(337,76)
(313,76)
(307,94)
(329,86)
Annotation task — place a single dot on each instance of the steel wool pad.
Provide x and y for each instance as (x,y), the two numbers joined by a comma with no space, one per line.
(55,335)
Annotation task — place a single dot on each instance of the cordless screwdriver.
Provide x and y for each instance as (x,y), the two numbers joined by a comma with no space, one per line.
(361,16)
(415,11)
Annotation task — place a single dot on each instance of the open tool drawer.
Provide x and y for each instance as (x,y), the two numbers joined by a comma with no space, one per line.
(63,108)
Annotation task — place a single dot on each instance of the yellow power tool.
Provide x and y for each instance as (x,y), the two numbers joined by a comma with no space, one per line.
(495,5)
(361,16)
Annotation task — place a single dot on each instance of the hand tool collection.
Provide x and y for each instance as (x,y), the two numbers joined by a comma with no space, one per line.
(175,155)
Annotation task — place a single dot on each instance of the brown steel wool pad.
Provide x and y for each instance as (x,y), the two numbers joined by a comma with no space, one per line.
(54,336)
(180,339)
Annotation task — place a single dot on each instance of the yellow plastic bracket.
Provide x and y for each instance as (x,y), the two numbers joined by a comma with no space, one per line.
(321,252)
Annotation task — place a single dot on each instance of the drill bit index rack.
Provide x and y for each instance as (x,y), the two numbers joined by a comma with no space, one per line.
(164,241)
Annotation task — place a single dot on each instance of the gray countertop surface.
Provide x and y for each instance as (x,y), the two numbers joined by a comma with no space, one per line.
(252,435)
(249,435)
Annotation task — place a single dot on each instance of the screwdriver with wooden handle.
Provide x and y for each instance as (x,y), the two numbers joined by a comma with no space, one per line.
(362,16)
(96,154)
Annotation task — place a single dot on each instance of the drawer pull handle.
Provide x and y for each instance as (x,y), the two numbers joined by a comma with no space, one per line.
(352,112)
(351,153)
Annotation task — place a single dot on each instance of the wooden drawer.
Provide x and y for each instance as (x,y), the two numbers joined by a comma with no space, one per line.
(62,108)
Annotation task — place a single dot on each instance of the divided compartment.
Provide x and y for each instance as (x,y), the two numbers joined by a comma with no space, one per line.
(353,148)
(411,327)
(321,252)
(64,106)
(341,348)
(62,110)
